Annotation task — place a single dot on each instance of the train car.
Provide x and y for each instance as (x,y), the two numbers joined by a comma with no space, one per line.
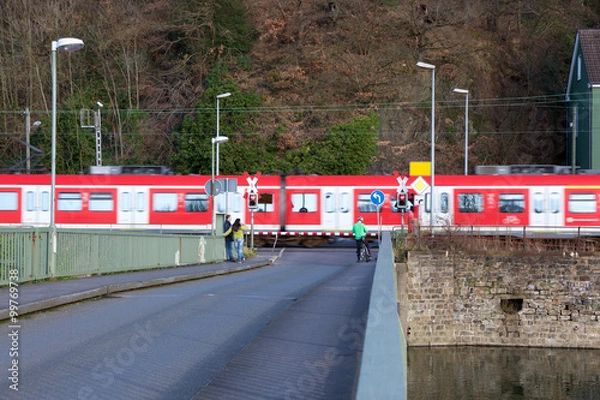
(106,201)
(508,203)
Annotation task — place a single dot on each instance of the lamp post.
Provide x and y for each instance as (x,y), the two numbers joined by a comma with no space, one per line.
(28,138)
(221,96)
(215,140)
(431,67)
(64,44)
(466,93)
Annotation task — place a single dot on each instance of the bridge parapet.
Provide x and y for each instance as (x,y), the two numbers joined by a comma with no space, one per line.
(383,369)
(25,252)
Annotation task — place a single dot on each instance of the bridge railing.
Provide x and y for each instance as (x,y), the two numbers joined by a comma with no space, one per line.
(383,369)
(25,253)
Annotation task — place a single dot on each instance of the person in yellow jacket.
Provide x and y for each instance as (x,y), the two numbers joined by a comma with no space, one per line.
(238,238)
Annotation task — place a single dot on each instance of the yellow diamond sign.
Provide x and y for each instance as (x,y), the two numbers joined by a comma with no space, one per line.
(420,185)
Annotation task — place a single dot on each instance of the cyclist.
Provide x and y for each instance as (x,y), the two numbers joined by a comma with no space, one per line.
(359,230)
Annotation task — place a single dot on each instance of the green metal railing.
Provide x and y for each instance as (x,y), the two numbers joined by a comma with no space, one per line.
(26,252)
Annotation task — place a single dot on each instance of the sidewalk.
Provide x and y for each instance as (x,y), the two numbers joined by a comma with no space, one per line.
(39,296)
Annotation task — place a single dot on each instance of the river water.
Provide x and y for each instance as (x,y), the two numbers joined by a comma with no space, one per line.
(511,373)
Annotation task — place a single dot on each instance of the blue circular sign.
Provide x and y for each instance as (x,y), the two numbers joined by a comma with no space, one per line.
(377,197)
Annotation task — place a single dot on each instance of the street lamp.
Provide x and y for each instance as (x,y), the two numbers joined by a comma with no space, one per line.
(432,68)
(465,92)
(221,96)
(217,140)
(28,137)
(64,44)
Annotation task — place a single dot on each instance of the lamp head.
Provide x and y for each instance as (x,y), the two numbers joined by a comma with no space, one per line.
(223,95)
(461,91)
(68,44)
(425,65)
(220,139)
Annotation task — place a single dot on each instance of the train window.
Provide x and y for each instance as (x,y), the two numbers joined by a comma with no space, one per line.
(237,202)
(470,202)
(554,203)
(444,203)
(345,202)
(8,201)
(101,201)
(196,202)
(511,202)
(304,202)
(69,201)
(30,201)
(45,201)
(164,202)
(329,203)
(265,202)
(141,201)
(126,204)
(538,202)
(427,202)
(582,203)
(365,205)
(221,202)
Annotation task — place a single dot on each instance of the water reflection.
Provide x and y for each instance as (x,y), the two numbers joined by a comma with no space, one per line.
(502,373)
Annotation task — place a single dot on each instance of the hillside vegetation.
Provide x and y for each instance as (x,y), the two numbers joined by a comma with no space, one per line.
(327,87)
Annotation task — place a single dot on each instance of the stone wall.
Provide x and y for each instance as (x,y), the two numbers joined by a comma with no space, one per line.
(529,300)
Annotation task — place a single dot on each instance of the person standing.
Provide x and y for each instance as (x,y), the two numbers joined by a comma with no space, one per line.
(228,238)
(359,230)
(237,229)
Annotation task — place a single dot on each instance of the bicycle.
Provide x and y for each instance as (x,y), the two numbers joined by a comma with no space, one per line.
(364,254)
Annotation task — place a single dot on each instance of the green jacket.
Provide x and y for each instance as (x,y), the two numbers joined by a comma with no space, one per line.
(359,230)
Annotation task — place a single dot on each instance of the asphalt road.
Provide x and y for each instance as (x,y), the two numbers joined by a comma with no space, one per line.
(292,330)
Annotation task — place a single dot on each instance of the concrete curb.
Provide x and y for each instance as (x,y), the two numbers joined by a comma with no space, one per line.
(106,290)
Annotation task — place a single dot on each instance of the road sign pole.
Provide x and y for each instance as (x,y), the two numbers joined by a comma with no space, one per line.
(402,222)
(377,198)
(252,229)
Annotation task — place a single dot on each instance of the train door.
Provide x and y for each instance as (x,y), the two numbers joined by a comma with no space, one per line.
(36,205)
(133,204)
(337,207)
(546,208)
(443,208)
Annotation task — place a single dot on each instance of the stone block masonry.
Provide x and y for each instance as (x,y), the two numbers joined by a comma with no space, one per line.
(455,298)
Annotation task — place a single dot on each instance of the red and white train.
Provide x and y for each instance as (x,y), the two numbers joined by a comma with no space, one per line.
(307,209)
